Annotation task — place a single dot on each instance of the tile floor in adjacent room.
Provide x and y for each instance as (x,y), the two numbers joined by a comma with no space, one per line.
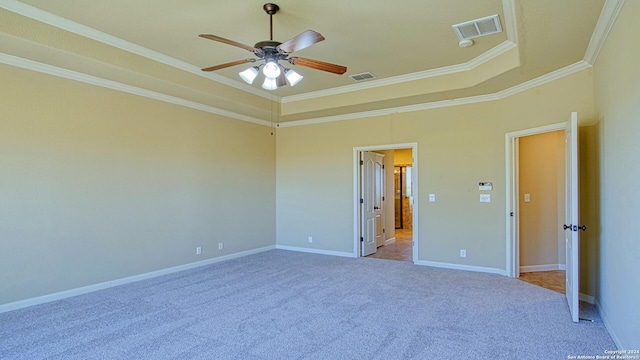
(402,250)
(552,280)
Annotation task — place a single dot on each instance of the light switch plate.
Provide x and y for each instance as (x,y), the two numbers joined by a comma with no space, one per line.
(485,198)
(527,197)
(432,197)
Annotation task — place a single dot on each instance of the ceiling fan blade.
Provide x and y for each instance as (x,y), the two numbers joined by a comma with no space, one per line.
(281,80)
(318,65)
(228,42)
(229,64)
(300,42)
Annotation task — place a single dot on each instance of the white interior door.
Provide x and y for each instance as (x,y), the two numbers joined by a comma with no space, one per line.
(572,234)
(378,199)
(371,201)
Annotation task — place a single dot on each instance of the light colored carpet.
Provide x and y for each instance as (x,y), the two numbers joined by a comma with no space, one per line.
(289,305)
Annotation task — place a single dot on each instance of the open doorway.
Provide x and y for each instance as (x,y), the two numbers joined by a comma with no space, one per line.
(541,205)
(397,236)
(571,214)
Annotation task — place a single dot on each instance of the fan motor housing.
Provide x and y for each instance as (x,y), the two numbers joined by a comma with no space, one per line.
(266,44)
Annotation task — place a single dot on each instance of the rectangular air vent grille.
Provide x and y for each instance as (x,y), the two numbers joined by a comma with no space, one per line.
(362,76)
(479,27)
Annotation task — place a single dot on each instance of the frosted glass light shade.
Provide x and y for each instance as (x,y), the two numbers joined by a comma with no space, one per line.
(269,83)
(292,76)
(249,75)
(271,69)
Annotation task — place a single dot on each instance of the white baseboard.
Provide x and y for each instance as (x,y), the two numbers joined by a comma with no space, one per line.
(613,335)
(390,241)
(587,298)
(547,267)
(461,267)
(316,251)
(112,283)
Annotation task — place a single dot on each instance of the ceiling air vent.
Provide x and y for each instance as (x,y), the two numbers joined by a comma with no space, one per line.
(362,76)
(479,27)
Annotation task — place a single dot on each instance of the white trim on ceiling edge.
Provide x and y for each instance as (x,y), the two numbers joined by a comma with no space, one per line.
(114,85)
(73,75)
(608,16)
(508,10)
(91,33)
(447,70)
(605,23)
(555,75)
(122,281)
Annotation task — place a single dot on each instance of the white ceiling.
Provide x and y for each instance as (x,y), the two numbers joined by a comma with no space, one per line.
(396,41)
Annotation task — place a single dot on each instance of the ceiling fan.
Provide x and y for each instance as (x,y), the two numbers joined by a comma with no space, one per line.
(271,52)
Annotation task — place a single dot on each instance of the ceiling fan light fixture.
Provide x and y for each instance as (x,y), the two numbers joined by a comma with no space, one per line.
(249,75)
(270,83)
(271,69)
(270,52)
(292,76)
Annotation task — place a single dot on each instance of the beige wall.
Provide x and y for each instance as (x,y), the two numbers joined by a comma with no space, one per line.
(617,94)
(457,147)
(98,185)
(541,175)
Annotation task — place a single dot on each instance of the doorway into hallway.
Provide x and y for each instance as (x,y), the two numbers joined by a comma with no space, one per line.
(397,240)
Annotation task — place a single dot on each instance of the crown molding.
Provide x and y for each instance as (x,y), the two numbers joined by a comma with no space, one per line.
(113,85)
(509,17)
(88,32)
(88,79)
(91,33)
(546,78)
(509,13)
(608,17)
(552,76)
(447,70)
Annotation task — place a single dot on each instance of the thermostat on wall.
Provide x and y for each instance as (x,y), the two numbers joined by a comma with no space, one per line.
(485,186)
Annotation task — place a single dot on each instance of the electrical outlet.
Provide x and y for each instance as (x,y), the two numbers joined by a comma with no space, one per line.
(463,253)
(310,239)
(198,250)
(220,246)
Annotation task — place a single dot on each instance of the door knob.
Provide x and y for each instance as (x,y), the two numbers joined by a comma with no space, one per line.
(574,227)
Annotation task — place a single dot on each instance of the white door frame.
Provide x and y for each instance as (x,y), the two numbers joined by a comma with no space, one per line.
(356,191)
(512,265)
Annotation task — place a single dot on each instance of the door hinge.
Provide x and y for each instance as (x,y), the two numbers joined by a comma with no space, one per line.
(383,230)
(361,239)
(511,214)
(383,166)
(383,198)
(361,201)
(361,162)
